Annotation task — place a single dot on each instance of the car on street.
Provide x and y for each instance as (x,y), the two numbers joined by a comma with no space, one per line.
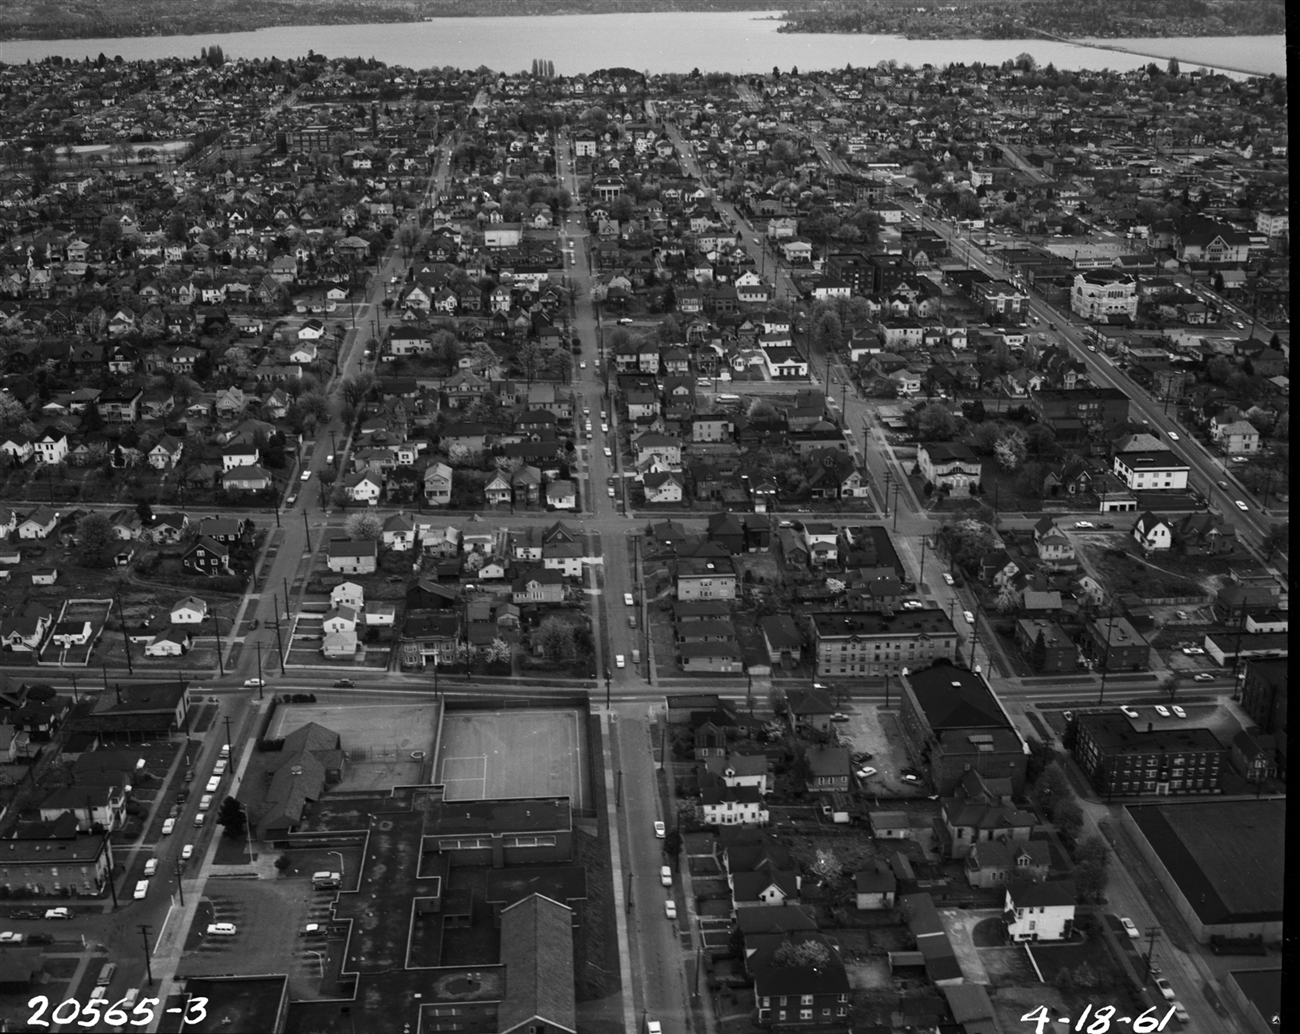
(1162,711)
(913,605)
(305,476)
(187,852)
(1068,715)
(344,684)
(1092,348)
(947,578)
(1180,1014)
(1241,505)
(582,365)
(1106,525)
(839,716)
(9,937)
(58,913)
(1202,676)
(611,491)
(603,415)
(604,428)
(1130,928)
(221,929)
(586,411)
(254,683)
(653,1027)
(660,832)
(1173,436)
(609,453)
(625,321)
(670,908)
(866,773)
(1165,988)
(1222,484)
(1239,325)
(666,875)
(970,618)
(627,600)
(168,826)
(620,661)
(861,757)
(1178,711)
(1084,524)
(911,777)
(1130,712)
(755,240)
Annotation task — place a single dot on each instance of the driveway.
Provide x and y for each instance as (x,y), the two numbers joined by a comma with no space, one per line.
(959,922)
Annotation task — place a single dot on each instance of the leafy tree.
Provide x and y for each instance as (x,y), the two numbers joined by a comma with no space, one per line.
(532,357)
(673,846)
(826,866)
(144,511)
(1009,599)
(556,638)
(776,700)
(803,954)
(234,818)
(1052,786)
(1010,450)
(1068,817)
(936,423)
(498,652)
(11,410)
(96,543)
(355,390)
(1277,536)
(364,526)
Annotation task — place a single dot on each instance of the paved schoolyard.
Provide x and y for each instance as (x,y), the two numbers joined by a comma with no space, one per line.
(528,753)
(378,739)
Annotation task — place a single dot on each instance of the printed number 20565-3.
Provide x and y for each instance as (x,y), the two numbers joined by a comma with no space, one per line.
(70,1011)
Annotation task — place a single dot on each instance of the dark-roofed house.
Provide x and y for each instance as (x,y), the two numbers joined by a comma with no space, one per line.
(1040,911)
(800,982)
(993,863)
(136,711)
(949,465)
(875,888)
(782,639)
(537,951)
(953,724)
(981,810)
(810,709)
(310,762)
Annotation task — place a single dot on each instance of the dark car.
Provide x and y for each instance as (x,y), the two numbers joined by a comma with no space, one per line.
(344,684)
(1105,525)
(182,796)
(40,938)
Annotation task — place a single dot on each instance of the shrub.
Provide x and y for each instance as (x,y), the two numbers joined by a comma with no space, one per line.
(283,862)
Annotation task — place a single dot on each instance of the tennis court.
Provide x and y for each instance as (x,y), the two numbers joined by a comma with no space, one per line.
(530,753)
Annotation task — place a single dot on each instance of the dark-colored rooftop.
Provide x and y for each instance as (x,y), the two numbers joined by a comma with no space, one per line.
(1120,734)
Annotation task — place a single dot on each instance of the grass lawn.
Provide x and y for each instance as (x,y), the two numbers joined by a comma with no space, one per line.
(1123,572)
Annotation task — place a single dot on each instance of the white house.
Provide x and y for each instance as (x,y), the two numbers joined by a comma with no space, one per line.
(347,594)
(740,770)
(1152,532)
(1040,911)
(173,642)
(340,619)
(399,532)
(339,645)
(363,487)
(733,806)
(189,611)
(38,524)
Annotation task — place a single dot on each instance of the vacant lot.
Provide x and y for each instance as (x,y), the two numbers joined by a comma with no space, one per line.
(378,739)
(1122,571)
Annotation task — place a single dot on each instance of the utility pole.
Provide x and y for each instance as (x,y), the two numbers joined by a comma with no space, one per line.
(228,730)
(1152,934)
(126,639)
(278,641)
(307,527)
(216,636)
(144,937)
(260,695)
(1105,663)
(898,487)
(920,580)
(177,868)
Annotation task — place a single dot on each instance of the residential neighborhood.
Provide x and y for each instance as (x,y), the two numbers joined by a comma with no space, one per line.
(644,551)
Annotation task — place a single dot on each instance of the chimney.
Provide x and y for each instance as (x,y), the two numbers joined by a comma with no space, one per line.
(1150,726)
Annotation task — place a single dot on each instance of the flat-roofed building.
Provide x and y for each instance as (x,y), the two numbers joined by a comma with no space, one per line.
(866,644)
(1148,754)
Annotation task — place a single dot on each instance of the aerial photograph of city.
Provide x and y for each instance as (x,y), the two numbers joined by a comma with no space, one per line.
(830,461)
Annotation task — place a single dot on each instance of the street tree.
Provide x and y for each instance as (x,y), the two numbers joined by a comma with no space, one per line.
(234,818)
(96,543)
(364,527)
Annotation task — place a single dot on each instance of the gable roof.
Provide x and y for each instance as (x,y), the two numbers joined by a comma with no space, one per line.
(537,951)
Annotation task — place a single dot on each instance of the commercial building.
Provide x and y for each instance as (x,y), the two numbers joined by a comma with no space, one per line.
(953,724)
(1114,644)
(1068,410)
(1148,754)
(1103,296)
(1222,863)
(1157,469)
(866,644)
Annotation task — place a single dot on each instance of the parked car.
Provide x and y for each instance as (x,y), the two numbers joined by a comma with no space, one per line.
(1162,711)
(620,661)
(1180,1014)
(660,832)
(1165,989)
(861,756)
(839,716)
(1130,928)
(628,600)
(653,1027)
(187,852)
(666,875)
(58,913)
(947,578)
(1068,715)
(305,476)
(970,618)
(1178,711)
(1084,524)
(344,684)
(866,773)
(1129,711)
(1202,676)
(911,777)
(1242,506)
(9,937)
(254,683)
(1193,651)
(670,908)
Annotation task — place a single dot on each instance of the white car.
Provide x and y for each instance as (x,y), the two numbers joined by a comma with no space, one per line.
(670,908)
(9,937)
(604,428)
(221,929)
(582,365)
(653,1027)
(1173,436)
(913,605)
(660,831)
(1180,1014)
(1084,524)
(1193,651)
(1178,711)
(1165,989)
(665,875)
(970,618)
(305,476)
(947,578)
(620,661)
(627,600)
(611,491)
(625,321)
(168,826)
(1162,711)
(609,453)
(1202,676)
(1241,505)
(187,852)
(866,773)
(254,683)
(1131,712)
(1131,929)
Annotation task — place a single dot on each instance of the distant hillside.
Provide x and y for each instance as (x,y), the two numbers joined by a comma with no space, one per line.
(75,19)
(1016,19)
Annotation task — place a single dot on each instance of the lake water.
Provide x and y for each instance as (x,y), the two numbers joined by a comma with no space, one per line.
(741,41)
